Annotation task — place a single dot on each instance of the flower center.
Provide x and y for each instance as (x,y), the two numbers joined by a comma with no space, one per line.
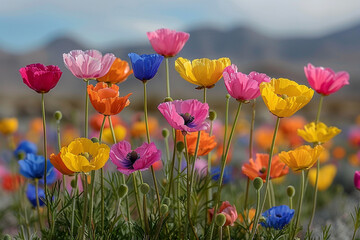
(107,93)
(284,96)
(87,155)
(262,170)
(132,157)
(187,118)
(278,215)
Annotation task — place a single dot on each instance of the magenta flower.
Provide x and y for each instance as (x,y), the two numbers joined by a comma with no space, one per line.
(186,116)
(228,210)
(243,87)
(90,64)
(357,179)
(324,80)
(129,161)
(39,77)
(167,42)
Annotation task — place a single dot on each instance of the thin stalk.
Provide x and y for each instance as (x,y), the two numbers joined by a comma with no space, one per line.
(45,140)
(208,171)
(86,109)
(299,204)
(171,170)
(59,147)
(178,191)
(226,123)
(267,177)
(38,202)
(167,77)
(228,232)
(137,198)
(319,109)
(102,200)
(194,159)
(74,205)
(85,193)
(147,228)
(220,233)
(223,163)
(257,211)
(272,194)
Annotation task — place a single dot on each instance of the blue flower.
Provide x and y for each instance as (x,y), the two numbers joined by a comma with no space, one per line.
(51,175)
(145,66)
(33,166)
(277,217)
(215,172)
(25,147)
(31,195)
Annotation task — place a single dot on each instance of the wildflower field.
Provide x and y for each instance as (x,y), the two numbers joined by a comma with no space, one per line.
(187,170)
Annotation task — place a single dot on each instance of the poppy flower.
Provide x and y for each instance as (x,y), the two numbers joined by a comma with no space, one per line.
(228,210)
(318,133)
(97,119)
(258,168)
(33,166)
(243,87)
(166,42)
(106,99)
(129,161)
(248,215)
(39,77)
(200,165)
(324,80)
(277,217)
(31,195)
(11,182)
(186,116)
(303,157)
(118,73)
(90,64)
(25,147)
(119,131)
(202,72)
(215,174)
(206,143)
(284,97)
(357,180)
(327,174)
(145,66)
(8,125)
(83,155)
(59,164)
(138,128)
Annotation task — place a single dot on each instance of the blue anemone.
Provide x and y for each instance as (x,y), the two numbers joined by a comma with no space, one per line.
(277,217)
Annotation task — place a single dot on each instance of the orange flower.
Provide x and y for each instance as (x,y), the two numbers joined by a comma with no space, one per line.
(118,73)
(263,136)
(289,127)
(258,167)
(339,153)
(59,164)
(206,143)
(106,99)
(249,215)
(138,129)
(97,119)
(216,157)
(12,182)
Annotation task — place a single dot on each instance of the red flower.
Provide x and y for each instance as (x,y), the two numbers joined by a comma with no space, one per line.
(12,182)
(228,210)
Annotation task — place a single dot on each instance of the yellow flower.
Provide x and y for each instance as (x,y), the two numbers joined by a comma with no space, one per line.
(8,125)
(303,157)
(326,176)
(120,133)
(82,155)
(202,72)
(318,133)
(284,97)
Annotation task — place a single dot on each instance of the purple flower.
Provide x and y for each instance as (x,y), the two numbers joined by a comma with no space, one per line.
(186,116)
(243,87)
(129,161)
(357,180)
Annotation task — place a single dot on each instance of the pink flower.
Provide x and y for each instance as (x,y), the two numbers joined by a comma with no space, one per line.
(229,212)
(90,64)
(243,87)
(357,179)
(324,80)
(39,77)
(167,42)
(129,161)
(186,116)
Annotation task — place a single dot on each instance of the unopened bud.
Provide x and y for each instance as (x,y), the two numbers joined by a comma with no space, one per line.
(220,219)
(212,115)
(58,115)
(164,181)
(163,209)
(7,237)
(73,183)
(290,191)
(228,96)
(166,201)
(144,188)
(168,99)
(165,133)
(258,183)
(123,190)
(95,140)
(180,146)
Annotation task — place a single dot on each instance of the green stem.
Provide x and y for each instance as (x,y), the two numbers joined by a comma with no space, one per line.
(167,77)
(220,233)
(102,200)
(228,232)
(45,141)
(137,198)
(223,163)
(178,191)
(194,159)
(38,202)
(74,205)
(86,109)
(319,109)
(257,212)
(85,193)
(171,170)
(267,177)
(226,123)
(208,189)
(299,204)
(272,194)
(147,229)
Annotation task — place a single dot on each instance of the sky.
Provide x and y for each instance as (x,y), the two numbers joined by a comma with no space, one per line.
(29,24)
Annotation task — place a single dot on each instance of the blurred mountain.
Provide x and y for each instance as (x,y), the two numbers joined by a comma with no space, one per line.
(246,48)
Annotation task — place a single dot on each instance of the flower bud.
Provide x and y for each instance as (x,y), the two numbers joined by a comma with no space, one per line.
(73,183)
(165,133)
(163,209)
(21,155)
(180,146)
(168,99)
(220,219)
(258,183)
(164,181)
(166,201)
(290,191)
(212,115)
(228,96)
(58,115)
(95,140)
(144,188)
(7,237)
(123,190)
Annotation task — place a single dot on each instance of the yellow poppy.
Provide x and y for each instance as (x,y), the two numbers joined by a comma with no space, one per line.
(120,133)
(318,133)
(326,176)
(82,155)
(303,157)
(284,97)
(202,72)
(8,125)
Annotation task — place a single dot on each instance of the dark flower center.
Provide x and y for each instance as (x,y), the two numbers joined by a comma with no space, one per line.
(188,119)
(132,157)
(262,170)
(278,215)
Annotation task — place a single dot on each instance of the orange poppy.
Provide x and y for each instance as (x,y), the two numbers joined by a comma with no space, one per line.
(263,137)
(206,143)
(12,182)
(138,129)
(289,127)
(97,119)
(106,99)
(249,215)
(59,164)
(258,168)
(119,71)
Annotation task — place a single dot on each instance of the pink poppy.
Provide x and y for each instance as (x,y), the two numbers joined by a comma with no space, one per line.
(39,77)
(90,64)
(228,210)
(167,42)
(357,179)
(243,87)
(129,161)
(186,116)
(324,80)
